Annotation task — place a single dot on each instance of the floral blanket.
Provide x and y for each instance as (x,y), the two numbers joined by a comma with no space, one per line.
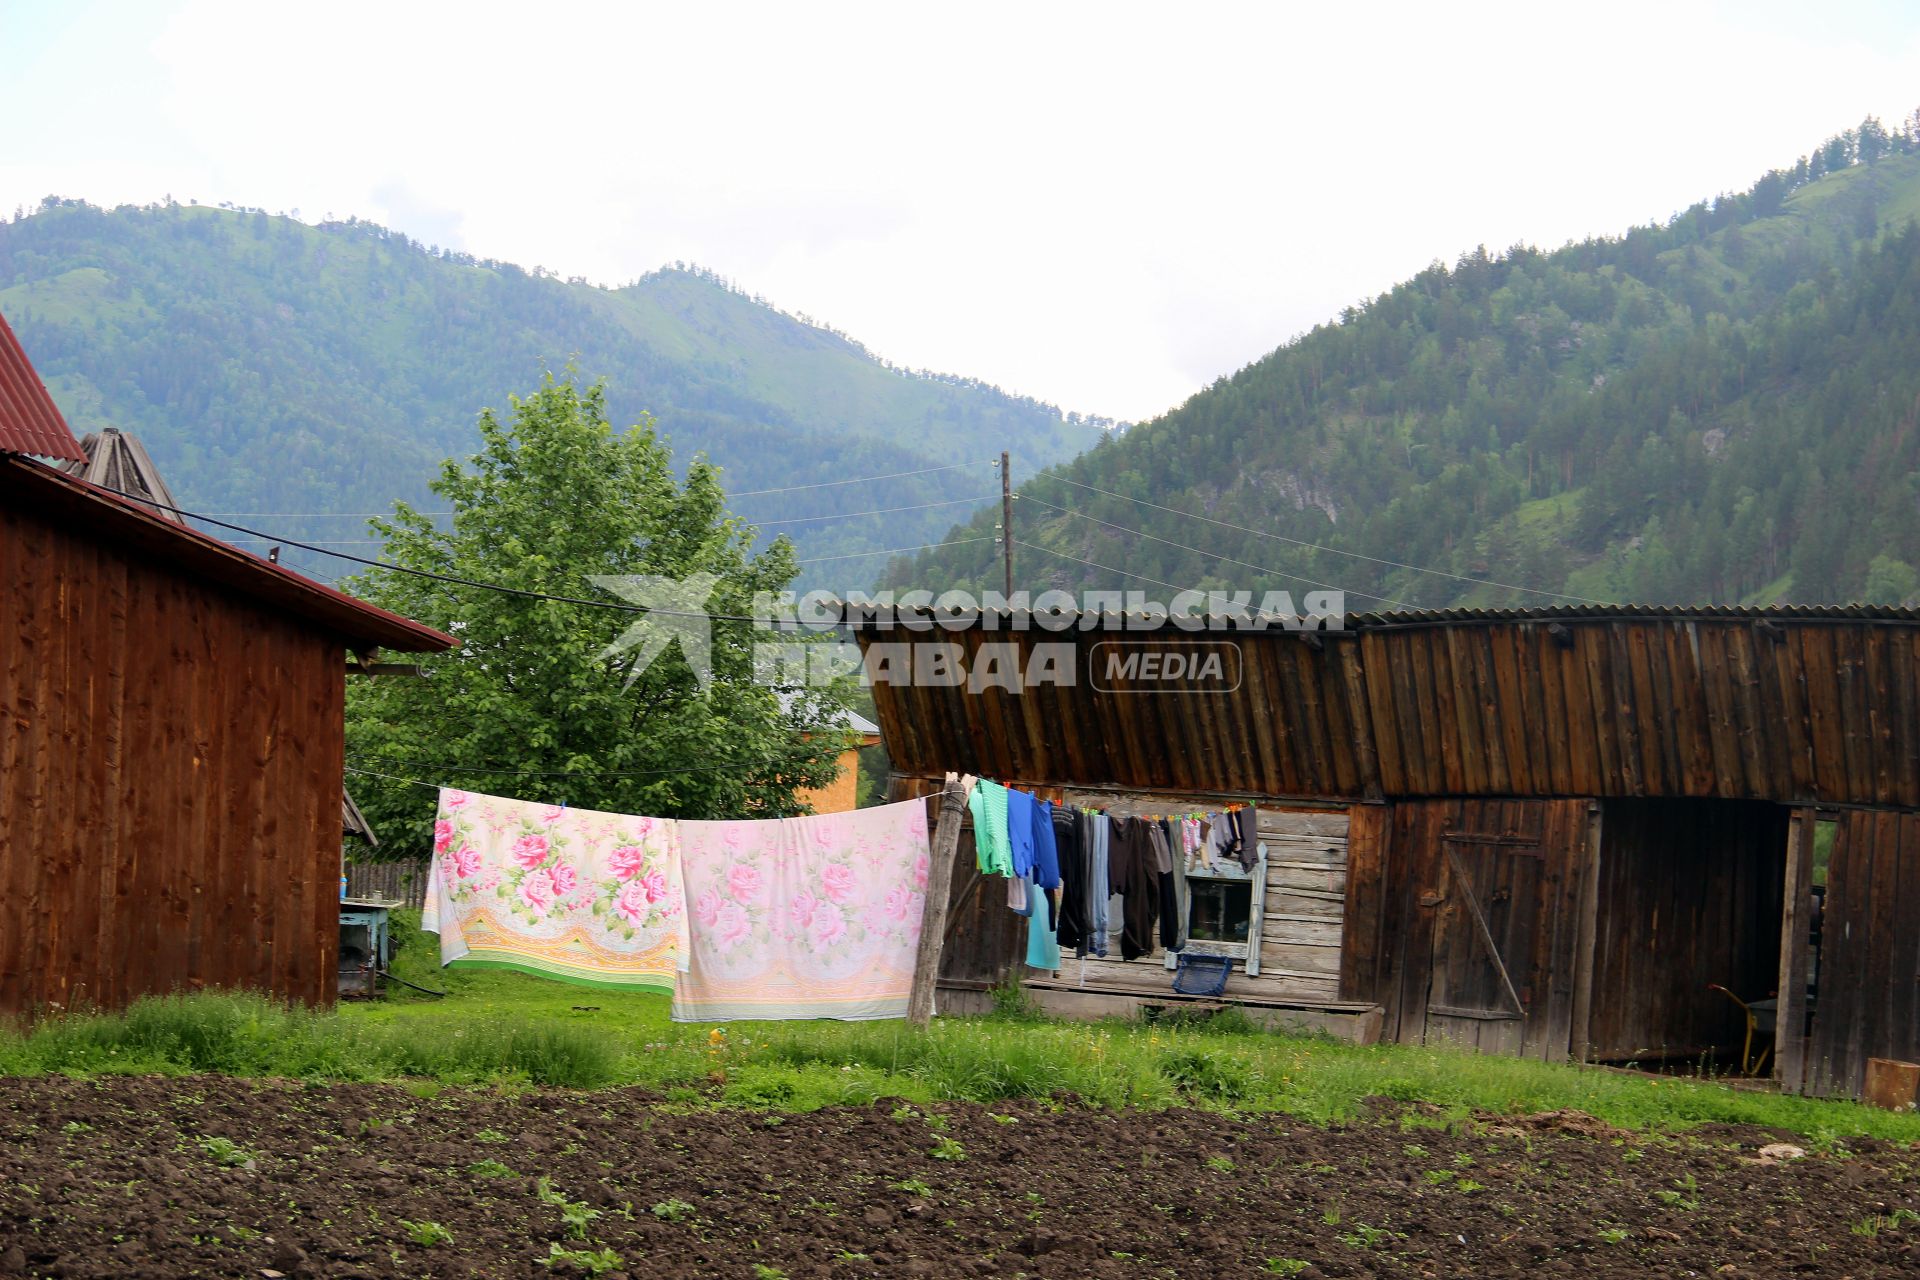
(565,893)
(803,917)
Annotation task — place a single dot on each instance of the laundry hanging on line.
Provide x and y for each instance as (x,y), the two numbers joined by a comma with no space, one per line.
(812,917)
(1090,857)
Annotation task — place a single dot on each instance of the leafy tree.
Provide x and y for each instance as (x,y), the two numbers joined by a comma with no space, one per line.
(1890,581)
(531,704)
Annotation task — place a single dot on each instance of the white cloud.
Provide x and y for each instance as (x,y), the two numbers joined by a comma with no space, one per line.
(1102,205)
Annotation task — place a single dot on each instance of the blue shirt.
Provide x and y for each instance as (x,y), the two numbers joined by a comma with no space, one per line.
(1020,811)
(1046,854)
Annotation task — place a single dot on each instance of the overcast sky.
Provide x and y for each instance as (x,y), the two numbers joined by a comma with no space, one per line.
(1102,206)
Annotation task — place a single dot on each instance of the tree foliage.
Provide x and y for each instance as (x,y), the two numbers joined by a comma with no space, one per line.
(530,704)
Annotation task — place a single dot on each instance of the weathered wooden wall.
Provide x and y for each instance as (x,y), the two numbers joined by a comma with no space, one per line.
(1869,997)
(1690,894)
(1788,708)
(404,881)
(169,781)
(1417,874)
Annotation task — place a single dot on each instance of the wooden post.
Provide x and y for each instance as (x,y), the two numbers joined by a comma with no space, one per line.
(1585,924)
(1790,1009)
(933,920)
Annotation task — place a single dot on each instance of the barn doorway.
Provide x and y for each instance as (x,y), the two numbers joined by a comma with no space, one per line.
(1687,928)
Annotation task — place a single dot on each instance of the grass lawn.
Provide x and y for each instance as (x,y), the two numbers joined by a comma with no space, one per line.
(507,1029)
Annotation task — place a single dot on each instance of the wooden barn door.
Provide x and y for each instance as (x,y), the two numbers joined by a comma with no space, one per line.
(1478,908)
(1488,916)
(1868,1001)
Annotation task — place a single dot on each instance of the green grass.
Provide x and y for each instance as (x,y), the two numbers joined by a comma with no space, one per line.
(506,1028)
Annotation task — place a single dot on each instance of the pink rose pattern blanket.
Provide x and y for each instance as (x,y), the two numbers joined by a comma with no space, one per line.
(565,893)
(803,917)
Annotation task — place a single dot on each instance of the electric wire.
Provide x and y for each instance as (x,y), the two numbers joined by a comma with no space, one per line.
(1315,546)
(1245,564)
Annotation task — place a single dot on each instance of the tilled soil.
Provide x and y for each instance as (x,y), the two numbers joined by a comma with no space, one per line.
(128,1177)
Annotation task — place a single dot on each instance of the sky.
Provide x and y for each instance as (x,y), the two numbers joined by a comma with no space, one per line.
(1105,206)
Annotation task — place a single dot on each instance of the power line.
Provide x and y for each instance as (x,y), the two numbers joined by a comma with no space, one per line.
(827,484)
(448,578)
(889,551)
(1315,546)
(1245,564)
(744,493)
(877,511)
(1034,546)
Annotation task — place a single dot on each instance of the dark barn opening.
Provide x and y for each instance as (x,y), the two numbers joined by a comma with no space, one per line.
(1688,928)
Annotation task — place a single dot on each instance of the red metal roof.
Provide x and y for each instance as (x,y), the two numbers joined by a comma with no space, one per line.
(29,420)
(77,503)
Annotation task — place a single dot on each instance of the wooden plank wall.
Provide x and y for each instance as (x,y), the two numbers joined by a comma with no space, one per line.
(1690,894)
(170,773)
(1868,1001)
(1792,710)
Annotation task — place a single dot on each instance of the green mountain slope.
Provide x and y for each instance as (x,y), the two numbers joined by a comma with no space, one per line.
(276,367)
(1724,407)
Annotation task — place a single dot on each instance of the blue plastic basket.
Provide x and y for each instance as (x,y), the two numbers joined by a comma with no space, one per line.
(1202,975)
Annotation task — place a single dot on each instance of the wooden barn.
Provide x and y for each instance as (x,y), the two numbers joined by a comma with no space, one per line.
(171,740)
(1603,834)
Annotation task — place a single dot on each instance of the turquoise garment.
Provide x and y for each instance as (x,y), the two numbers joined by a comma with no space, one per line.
(988,804)
(1043,942)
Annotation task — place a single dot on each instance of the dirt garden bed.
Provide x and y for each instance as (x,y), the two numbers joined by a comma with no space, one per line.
(208,1176)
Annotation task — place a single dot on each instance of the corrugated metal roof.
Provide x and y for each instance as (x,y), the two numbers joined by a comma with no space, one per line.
(1673,612)
(29,420)
(932,622)
(126,522)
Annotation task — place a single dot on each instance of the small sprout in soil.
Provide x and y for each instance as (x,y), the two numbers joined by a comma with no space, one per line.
(1468,1186)
(1365,1237)
(1415,1151)
(848,1255)
(1439,1177)
(574,1213)
(490,1135)
(76,1126)
(1463,1160)
(227,1152)
(1220,1164)
(1614,1235)
(426,1234)
(1874,1224)
(761,1271)
(904,1112)
(997,1118)
(1331,1217)
(948,1149)
(774,1122)
(490,1169)
(673,1211)
(1286,1266)
(912,1186)
(592,1261)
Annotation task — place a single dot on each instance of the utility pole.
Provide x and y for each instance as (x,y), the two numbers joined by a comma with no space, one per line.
(1006,519)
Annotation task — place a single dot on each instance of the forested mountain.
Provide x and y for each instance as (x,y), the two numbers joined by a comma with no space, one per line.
(1721,407)
(276,367)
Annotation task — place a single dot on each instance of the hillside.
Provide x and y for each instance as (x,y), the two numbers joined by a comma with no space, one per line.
(276,367)
(1721,407)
